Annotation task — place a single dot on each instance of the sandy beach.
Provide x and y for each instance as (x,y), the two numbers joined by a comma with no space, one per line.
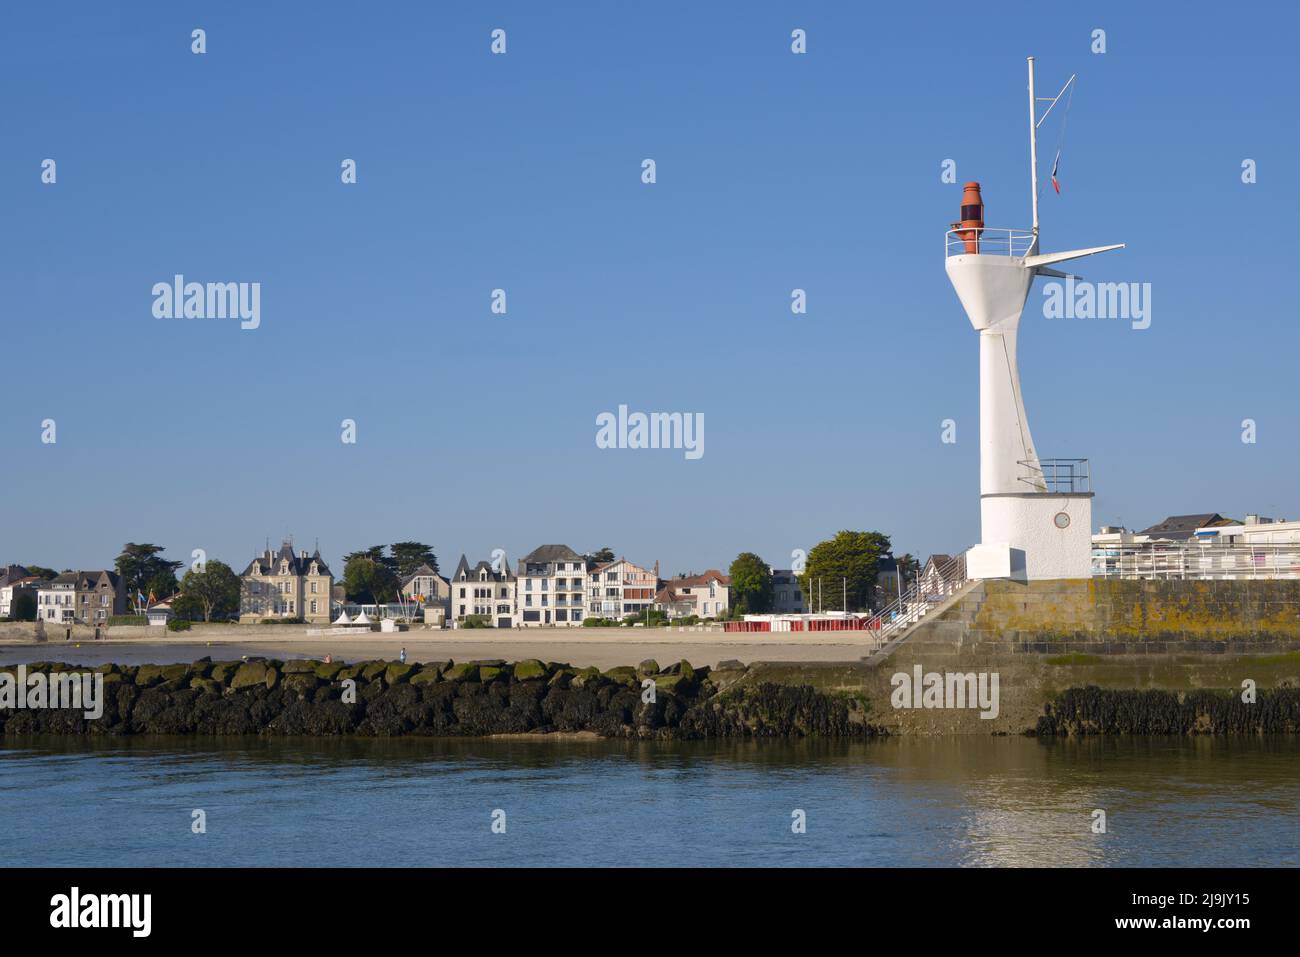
(602,647)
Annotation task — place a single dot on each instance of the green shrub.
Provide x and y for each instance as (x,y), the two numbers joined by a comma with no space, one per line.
(476,621)
(127,620)
(284,621)
(178,624)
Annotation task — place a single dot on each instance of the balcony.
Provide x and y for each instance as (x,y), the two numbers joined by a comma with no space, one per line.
(1056,476)
(988,241)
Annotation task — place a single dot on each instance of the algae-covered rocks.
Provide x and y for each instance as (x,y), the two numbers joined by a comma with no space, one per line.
(306,697)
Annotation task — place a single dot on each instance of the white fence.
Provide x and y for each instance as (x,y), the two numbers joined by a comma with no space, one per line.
(1184,560)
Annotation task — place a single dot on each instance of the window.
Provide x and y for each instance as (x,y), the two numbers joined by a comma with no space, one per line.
(313,591)
(313,607)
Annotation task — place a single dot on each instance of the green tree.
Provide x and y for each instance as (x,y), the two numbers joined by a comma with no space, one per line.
(368,581)
(601,556)
(908,566)
(139,565)
(212,593)
(23,607)
(376,554)
(161,585)
(843,567)
(751,584)
(408,556)
(40,571)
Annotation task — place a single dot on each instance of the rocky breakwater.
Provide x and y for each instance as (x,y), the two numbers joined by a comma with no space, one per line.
(388,698)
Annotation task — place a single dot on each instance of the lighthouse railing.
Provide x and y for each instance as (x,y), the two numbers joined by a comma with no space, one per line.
(988,241)
(1057,476)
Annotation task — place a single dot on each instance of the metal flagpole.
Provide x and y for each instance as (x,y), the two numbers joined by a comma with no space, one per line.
(1033,154)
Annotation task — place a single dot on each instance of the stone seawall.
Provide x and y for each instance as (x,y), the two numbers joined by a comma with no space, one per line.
(387,698)
(1113,616)
(1048,640)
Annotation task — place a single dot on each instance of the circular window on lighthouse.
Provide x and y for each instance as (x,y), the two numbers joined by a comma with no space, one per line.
(1062,520)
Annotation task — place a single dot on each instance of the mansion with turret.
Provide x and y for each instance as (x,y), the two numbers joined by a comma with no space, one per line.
(286,585)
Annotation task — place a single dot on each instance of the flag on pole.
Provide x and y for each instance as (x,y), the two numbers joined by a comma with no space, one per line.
(139,599)
(1055,163)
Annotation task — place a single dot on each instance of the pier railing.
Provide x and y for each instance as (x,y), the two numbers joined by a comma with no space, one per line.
(927,591)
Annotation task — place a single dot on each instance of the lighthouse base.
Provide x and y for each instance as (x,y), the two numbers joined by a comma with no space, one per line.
(1033,535)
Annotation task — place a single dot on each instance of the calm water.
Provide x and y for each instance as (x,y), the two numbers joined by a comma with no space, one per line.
(972,801)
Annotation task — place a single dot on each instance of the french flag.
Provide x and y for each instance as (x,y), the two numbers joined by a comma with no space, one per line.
(1055,163)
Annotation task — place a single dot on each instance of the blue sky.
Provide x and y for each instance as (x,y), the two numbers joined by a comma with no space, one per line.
(775,171)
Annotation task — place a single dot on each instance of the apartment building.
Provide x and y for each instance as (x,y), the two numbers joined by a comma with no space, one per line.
(286,585)
(619,588)
(485,590)
(56,600)
(551,587)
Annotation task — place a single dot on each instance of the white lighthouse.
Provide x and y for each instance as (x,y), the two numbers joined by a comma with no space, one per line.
(1035,513)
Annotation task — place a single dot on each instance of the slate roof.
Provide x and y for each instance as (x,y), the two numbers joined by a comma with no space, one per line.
(545,554)
(426,571)
(472,571)
(270,562)
(1180,528)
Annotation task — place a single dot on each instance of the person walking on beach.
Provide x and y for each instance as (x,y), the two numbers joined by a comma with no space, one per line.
(402,656)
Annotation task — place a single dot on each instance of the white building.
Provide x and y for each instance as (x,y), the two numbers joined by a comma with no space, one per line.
(551,587)
(619,588)
(56,600)
(12,588)
(1205,546)
(484,591)
(707,595)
